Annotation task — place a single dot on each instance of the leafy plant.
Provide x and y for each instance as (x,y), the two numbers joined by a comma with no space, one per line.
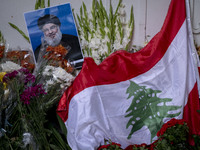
(173,135)
(25,122)
(2,40)
(41,4)
(20,31)
(104,32)
(110,146)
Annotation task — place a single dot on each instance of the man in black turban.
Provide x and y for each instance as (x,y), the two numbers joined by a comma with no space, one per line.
(50,26)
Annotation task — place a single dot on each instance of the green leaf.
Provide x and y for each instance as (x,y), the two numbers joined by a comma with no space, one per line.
(20,31)
(59,140)
(62,125)
(37,4)
(48,3)
(42,4)
(2,38)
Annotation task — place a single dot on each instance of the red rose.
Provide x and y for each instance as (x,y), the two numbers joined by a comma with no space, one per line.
(169,124)
(107,146)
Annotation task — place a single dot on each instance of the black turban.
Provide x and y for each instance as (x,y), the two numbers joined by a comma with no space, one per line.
(48,19)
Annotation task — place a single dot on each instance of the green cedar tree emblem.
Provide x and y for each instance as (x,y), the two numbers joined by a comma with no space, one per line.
(147,109)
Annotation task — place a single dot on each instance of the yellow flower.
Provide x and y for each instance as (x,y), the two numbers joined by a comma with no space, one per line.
(2,74)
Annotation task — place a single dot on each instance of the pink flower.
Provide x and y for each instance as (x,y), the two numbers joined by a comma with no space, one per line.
(31,92)
(9,76)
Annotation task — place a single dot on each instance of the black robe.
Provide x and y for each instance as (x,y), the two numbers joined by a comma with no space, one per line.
(71,43)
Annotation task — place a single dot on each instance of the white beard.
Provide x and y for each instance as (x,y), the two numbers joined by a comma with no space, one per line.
(56,40)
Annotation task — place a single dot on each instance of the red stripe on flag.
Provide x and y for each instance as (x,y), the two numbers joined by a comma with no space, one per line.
(190,114)
(121,65)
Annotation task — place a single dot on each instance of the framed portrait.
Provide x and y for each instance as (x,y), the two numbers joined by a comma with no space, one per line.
(54,26)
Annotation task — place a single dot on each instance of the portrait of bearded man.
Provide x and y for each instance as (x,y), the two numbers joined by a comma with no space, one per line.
(52,36)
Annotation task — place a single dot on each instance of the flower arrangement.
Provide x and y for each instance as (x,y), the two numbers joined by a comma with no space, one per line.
(110,146)
(55,56)
(173,135)
(28,102)
(21,57)
(25,103)
(26,98)
(16,58)
(102,33)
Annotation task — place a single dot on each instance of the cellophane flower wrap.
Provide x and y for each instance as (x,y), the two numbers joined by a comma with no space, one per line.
(53,67)
(29,97)
(17,58)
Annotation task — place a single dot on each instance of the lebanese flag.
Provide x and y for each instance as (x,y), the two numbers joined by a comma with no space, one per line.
(129,96)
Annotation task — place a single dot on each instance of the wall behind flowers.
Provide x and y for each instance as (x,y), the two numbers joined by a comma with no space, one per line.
(149,16)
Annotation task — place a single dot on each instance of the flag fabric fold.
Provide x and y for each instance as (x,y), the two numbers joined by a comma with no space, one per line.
(129,96)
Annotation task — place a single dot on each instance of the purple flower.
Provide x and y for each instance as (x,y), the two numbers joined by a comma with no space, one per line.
(31,92)
(10,75)
(29,77)
(24,70)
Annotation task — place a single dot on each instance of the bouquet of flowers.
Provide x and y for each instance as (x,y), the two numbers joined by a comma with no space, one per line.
(21,57)
(25,104)
(53,67)
(55,56)
(103,33)
(173,135)
(29,98)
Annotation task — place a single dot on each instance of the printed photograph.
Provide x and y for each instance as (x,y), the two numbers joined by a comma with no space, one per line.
(53,34)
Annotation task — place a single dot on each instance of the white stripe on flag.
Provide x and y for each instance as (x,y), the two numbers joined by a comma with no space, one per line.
(94,108)
(94,113)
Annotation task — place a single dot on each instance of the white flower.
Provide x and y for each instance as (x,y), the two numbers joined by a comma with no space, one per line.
(117,37)
(97,61)
(9,66)
(106,29)
(50,82)
(27,139)
(105,40)
(103,49)
(90,16)
(48,70)
(94,43)
(98,42)
(128,30)
(95,54)
(61,74)
(122,12)
(89,37)
(118,46)
(84,43)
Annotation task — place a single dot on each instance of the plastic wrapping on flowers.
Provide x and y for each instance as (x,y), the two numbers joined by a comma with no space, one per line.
(29,97)
(52,67)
